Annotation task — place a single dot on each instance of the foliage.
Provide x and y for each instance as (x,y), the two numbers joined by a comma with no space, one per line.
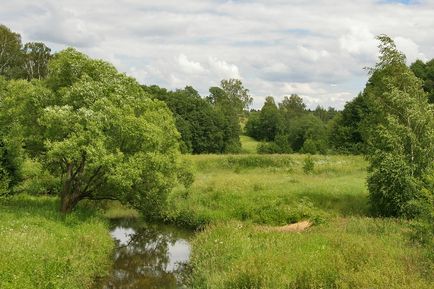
(401,134)
(292,107)
(10,53)
(43,249)
(325,115)
(237,95)
(307,128)
(290,128)
(270,122)
(348,128)
(97,131)
(18,61)
(229,111)
(268,148)
(425,71)
(202,128)
(252,127)
(36,57)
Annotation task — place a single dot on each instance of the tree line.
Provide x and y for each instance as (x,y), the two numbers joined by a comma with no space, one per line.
(26,61)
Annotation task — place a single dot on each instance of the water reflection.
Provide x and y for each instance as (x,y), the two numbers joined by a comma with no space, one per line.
(147,256)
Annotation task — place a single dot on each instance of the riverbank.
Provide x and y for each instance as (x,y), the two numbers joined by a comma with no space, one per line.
(39,248)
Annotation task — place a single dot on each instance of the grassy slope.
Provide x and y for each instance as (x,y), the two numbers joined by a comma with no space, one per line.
(346,249)
(41,249)
(248,144)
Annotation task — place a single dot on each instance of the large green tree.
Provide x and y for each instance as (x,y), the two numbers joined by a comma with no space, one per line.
(96,131)
(348,128)
(202,128)
(401,135)
(291,107)
(236,94)
(270,120)
(229,110)
(10,53)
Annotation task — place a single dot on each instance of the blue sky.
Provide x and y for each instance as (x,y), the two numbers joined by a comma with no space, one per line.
(317,49)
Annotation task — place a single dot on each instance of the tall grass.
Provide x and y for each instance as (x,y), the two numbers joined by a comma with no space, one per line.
(350,253)
(39,248)
(345,249)
(269,189)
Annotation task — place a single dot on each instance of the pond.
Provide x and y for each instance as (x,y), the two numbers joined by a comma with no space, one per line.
(147,256)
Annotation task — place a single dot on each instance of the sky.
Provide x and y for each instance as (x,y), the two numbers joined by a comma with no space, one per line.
(317,49)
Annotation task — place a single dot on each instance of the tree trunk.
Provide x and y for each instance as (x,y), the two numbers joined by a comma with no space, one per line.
(68,202)
(71,193)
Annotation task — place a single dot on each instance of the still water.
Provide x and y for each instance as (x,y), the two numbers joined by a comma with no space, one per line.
(147,256)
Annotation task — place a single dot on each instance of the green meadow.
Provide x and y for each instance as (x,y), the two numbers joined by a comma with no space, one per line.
(42,249)
(235,196)
(270,189)
(233,204)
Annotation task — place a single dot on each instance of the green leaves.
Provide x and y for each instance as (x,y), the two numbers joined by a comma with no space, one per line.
(400,133)
(97,131)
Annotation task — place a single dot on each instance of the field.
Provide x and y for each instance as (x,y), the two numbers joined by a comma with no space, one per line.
(270,189)
(235,197)
(41,249)
(236,202)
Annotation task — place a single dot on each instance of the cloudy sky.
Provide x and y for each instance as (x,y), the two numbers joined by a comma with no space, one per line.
(315,48)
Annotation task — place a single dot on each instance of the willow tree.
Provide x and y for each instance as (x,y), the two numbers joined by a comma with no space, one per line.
(97,131)
(400,135)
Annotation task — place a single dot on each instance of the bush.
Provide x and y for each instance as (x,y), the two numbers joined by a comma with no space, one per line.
(391,186)
(268,148)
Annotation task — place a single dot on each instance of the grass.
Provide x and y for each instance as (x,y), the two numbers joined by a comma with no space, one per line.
(270,189)
(40,248)
(346,248)
(248,144)
(348,253)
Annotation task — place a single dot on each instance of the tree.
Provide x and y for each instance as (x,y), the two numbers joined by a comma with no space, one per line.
(97,132)
(307,134)
(201,126)
(270,122)
(36,56)
(10,53)
(425,71)
(229,113)
(252,127)
(237,95)
(9,151)
(292,107)
(401,134)
(347,129)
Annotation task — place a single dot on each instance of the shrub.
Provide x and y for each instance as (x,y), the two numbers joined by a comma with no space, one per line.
(268,148)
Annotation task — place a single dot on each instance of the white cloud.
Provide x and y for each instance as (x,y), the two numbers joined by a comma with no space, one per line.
(410,49)
(189,66)
(223,69)
(359,41)
(276,46)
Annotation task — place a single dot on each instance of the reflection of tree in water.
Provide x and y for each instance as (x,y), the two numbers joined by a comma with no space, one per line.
(143,261)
